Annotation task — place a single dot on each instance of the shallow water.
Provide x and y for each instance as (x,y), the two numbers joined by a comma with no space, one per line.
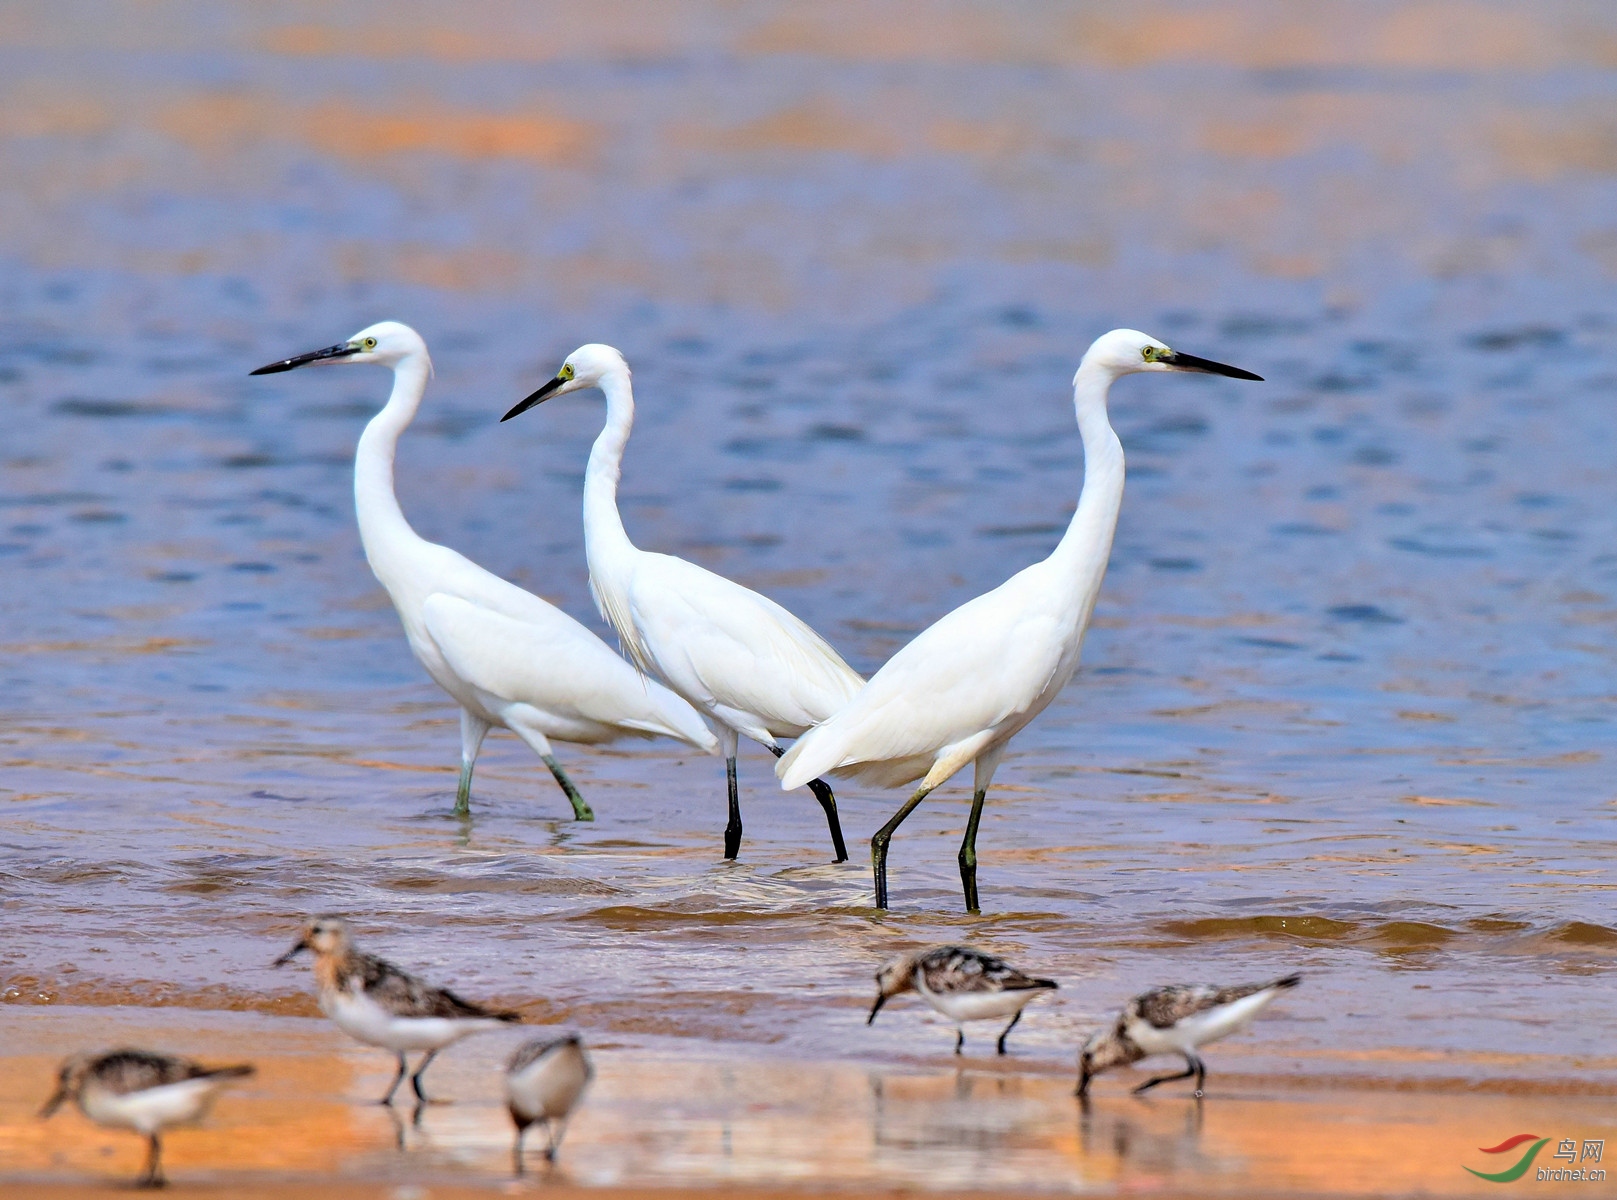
(1346,705)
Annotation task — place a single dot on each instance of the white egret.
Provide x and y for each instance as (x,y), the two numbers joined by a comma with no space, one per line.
(964,687)
(739,657)
(507,657)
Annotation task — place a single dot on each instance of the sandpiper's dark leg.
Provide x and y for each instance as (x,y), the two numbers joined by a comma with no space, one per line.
(553,1140)
(581,810)
(152,1176)
(516,1152)
(732,831)
(828,802)
(959,1038)
(415,1080)
(1006,1032)
(1201,1077)
(1190,1070)
(968,854)
(884,835)
(404,1068)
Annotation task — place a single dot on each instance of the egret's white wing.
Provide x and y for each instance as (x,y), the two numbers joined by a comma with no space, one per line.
(981,668)
(557,666)
(723,644)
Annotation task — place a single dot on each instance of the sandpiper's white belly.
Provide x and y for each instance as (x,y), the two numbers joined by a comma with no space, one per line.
(978,1006)
(1200,1028)
(549,1088)
(153,1109)
(362,1018)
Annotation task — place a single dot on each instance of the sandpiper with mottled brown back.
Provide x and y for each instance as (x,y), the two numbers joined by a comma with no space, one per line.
(376,1003)
(143,1092)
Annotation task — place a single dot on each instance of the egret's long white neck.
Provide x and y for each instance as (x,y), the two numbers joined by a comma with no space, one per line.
(603,525)
(1087,544)
(382,526)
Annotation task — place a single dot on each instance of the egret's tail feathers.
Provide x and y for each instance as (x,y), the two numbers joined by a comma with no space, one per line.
(821,752)
(886,772)
(811,756)
(674,718)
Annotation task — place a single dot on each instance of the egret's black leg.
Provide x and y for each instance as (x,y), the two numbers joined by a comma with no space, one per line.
(463,791)
(581,810)
(516,1152)
(732,831)
(1006,1032)
(1201,1078)
(152,1176)
(828,802)
(550,1135)
(959,1038)
(968,855)
(1188,1072)
(404,1068)
(884,835)
(415,1080)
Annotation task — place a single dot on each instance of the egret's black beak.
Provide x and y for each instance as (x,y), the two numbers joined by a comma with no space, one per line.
(875,1008)
(54,1103)
(1189,362)
(302,945)
(538,397)
(329,354)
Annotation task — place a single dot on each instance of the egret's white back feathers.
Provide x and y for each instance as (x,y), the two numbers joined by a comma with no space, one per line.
(736,655)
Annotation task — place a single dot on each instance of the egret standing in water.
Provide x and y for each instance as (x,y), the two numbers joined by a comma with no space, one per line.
(739,657)
(507,657)
(963,688)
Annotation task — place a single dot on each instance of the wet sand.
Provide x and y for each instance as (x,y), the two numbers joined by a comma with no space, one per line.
(661,1117)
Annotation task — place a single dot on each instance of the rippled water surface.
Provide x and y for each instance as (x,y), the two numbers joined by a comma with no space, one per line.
(1346,705)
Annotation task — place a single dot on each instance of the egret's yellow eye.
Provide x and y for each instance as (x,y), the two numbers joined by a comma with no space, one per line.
(1150,353)
(369,343)
(566,372)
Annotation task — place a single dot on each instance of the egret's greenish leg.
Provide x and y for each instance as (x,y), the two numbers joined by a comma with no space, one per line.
(878,844)
(581,810)
(732,828)
(968,852)
(473,730)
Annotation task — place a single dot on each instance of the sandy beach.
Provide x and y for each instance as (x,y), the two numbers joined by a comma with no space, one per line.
(755,1126)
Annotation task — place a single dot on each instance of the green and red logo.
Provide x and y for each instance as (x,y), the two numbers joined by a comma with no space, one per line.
(1511,1174)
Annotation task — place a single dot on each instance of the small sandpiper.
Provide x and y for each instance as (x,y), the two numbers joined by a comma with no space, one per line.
(543,1082)
(1175,1020)
(374,1002)
(961,983)
(142,1091)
